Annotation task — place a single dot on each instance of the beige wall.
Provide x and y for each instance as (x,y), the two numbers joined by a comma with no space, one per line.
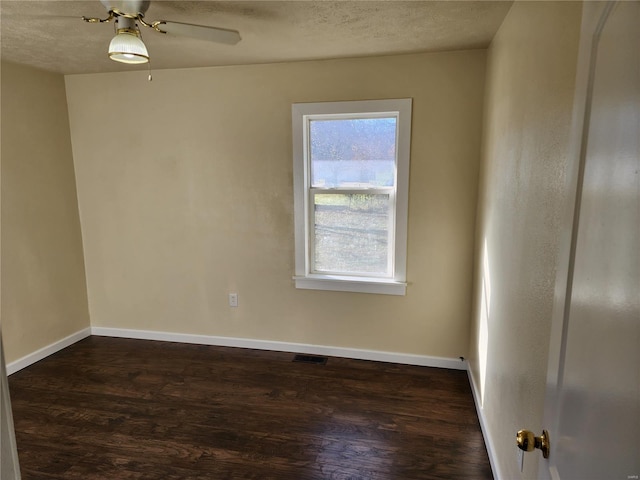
(531,70)
(185,194)
(43,284)
(8,452)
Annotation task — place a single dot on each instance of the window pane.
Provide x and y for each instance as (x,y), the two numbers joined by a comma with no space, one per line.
(351,233)
(353,152)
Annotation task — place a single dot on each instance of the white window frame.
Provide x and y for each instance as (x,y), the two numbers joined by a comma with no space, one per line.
(302,114)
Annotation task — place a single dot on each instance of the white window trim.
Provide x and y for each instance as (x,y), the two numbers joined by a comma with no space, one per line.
(364,284)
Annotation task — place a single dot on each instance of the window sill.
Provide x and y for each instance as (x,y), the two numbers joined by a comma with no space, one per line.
(351,284)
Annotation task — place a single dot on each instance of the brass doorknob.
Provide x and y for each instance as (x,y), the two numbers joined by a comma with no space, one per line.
(528,442)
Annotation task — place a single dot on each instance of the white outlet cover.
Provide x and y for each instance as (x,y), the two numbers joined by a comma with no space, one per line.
(233,299)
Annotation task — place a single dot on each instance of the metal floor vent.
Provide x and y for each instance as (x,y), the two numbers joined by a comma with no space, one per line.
(315,359)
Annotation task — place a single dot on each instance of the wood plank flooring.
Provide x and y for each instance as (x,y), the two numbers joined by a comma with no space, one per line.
(108,408)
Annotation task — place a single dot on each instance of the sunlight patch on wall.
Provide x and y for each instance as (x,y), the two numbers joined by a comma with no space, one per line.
(485,308)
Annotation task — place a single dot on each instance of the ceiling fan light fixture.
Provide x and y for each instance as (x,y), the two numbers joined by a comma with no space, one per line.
(128,47)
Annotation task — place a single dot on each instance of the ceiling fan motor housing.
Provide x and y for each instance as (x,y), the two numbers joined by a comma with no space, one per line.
(124,23)
(130,7)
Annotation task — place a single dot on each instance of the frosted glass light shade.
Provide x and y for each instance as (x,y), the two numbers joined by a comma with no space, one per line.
(127,47)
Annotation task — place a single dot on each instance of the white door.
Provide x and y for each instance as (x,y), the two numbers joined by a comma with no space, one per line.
(9,469)
(592,409)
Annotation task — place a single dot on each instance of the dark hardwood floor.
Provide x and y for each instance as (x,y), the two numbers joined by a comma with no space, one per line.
(108,408)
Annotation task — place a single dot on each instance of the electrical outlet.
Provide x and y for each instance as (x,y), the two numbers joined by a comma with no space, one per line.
(233,299)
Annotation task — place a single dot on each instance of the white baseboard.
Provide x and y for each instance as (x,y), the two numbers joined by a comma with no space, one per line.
(491,451)
(44,352)
(359,354)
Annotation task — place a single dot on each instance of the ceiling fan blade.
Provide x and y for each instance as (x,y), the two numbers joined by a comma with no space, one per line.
(201,32)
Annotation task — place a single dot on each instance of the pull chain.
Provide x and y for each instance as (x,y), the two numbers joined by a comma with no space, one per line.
(149,78)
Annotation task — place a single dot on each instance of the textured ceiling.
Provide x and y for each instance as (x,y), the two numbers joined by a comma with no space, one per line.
(50,34)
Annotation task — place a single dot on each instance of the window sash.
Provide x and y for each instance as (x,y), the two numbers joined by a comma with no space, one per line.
(345,116)
(311,192)
(390,226)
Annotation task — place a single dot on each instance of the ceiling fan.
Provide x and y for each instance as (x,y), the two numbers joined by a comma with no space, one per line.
(127,46)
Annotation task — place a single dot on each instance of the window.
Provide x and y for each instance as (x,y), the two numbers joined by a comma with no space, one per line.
(351,181)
